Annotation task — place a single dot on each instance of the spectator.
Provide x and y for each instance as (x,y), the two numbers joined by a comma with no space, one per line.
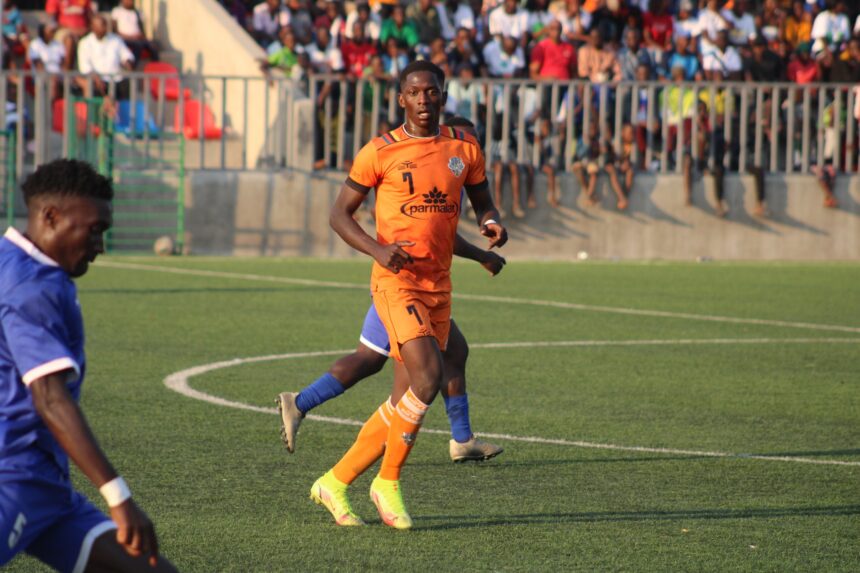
(552,58)
(269,17)
(357,51)
(624,159)
(596,62)
(337,28)
(102,57)
(438,55)
(462,52)
(826,171)
(128,25)
(539,18)
(14,29)
(803,69)
(575,23)
(686,24)
(47,54)
(609,20)
(763,65)
(324,56)
(398,27)
(73,20)
(712,143)
(769,20)
(683,57)
(464,93)
(679,103)
(742,26)
(798,25)
(460,15)
(723,62)
(394,59)
(831,28)
(633,55)
(427,23)
(369,21)
(509,20)
(285,58)
(657,26)
(847,69)
(586,167)
(301,21)
(547,160)
(711,22)
(504,58)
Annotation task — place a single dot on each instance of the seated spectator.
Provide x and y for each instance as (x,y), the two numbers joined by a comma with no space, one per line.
(285,58)
(396,26)
(769,20)
(333,19)
(504,58)
(553,58)
(426,18)
(395,59)
(463,52)
(357,51)
(798,25)
(324,56)
(370,22)
(102,57)
(723,62)
(591,147)
(803,69)
(686,24)
(742,26)
(547,160)
(509,20)
(438,55)
(539,18)
(847,69)
(575,23)
(596,61)
(711,22)
(624,159)
(456,14)
(633,55)
(609,19)
(47,54)
(73,20)
(831,28)
(658,27)
(269,17)
(14,29)
(763,65)
(683,57)
(128,25)
(301,21)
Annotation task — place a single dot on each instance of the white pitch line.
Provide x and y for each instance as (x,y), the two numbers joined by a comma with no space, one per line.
(490,298)
(178,382)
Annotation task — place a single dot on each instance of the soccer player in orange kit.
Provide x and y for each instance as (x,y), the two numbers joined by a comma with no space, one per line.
(418,171)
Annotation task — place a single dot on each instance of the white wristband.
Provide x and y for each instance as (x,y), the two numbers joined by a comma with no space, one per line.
(490,222)
(115,492)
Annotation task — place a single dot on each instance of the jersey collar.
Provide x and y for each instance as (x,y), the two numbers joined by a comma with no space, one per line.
(13,236)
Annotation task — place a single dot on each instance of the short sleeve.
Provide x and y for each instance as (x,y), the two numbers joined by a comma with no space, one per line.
(477,174)
(35,330)
(365,173)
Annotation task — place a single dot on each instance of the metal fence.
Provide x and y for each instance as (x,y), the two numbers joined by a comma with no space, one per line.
(257,123)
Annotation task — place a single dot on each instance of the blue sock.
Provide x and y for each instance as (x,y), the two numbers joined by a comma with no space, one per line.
(322,390)
(457,408)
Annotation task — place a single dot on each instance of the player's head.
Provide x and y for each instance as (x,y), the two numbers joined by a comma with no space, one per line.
(69,211)
(422,96)
(463,124)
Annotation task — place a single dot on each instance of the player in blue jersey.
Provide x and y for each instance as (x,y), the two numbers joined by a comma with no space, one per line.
(42,367)
(372,353)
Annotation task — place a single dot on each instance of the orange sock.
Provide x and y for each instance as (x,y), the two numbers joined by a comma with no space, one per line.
(405,423)
(368,446)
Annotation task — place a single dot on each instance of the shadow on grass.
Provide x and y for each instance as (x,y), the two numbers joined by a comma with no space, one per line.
(855,452)
(466,522)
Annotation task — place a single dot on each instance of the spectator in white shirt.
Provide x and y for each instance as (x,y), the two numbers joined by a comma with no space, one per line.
(504,58)
(686,25)
(453,15)
(47,54)
(509,20)
(269,17)
(711,21)
(102,57)
(370,20)
(575,23)
(831,28)
(742,24)
(128,25)
(723,62)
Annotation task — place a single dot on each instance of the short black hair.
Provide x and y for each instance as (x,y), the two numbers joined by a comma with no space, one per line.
(68,178)
(422,66)
(459,121)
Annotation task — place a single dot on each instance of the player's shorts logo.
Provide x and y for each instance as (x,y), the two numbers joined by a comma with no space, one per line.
(430,204)
(17,530)
(408,438)
(455,164)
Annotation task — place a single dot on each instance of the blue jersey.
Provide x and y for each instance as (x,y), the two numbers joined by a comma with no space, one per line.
(41,333)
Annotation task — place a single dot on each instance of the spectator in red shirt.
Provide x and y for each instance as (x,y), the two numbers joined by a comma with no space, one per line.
(553,58)
(657,26)
(803,69)
(357,51)
(73,19)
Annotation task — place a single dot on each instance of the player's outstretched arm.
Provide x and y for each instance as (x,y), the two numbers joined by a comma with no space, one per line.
(488,259)
(487,214)
(63,416)
(342,220)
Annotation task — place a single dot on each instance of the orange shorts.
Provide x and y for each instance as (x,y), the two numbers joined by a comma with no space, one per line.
(409,314)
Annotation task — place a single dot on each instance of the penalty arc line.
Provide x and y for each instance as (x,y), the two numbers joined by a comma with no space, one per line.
(489,298)
(179,382)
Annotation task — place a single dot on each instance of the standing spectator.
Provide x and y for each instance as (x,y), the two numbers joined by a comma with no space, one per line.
(426,18)
(712,144)
(742,25)
(723,62)
(831,28)
(370,22)
(269,17)
(357,52)
(128,24)
(679,103)
(102,57)
(575,23)
(509,20)
(463,52)
(633,55)
(398,27)
(798,25)
(47,54)
(596,62)
(464,92)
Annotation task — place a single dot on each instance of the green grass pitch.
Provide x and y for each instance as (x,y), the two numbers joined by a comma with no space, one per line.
(225,495)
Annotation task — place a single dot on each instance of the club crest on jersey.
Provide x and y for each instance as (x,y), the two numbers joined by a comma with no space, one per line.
(430,204)
(455,164)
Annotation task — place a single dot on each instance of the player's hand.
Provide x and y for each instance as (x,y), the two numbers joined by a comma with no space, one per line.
(135,532)
(493,262)
(393,257)
(496,233)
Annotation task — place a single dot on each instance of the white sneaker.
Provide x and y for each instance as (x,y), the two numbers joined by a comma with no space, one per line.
(291,417)
(473,450)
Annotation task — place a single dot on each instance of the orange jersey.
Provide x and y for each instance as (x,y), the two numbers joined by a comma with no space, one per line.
(418,185)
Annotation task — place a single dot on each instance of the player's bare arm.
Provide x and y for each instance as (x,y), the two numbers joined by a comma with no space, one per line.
(342,220)
(67,423)
(488,259)
(486,213)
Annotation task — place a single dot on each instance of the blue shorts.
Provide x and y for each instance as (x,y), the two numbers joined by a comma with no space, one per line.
(373,333)
(43,516)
